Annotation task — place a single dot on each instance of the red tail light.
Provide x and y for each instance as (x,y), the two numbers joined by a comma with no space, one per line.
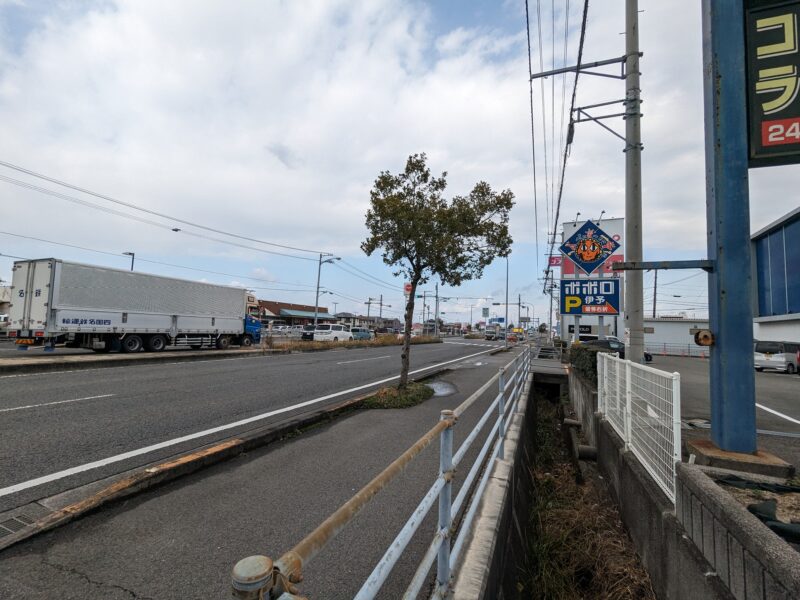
(12,334)
(38,334)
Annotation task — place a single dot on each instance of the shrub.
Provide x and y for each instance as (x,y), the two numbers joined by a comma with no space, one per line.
(584,360)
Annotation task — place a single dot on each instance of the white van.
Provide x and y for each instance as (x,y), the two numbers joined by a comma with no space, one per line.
(781,356)
(332,333)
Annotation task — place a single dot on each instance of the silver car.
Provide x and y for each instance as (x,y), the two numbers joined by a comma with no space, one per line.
(781,356)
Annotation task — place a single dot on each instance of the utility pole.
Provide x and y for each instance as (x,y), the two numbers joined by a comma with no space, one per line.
(655,294)
(519,309)
(380,309)
(634,310)
(369,303)
(335,304)
(505,337)
(436,312)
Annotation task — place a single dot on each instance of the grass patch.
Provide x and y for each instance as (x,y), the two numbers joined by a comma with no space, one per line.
(392,397)
(577,546)
(474,336)
(379,342)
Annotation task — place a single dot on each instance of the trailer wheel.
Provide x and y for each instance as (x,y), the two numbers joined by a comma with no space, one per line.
(247,341)
(131,343)
(156,343)
(223,342)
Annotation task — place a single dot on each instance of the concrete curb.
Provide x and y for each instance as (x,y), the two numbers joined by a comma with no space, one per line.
(72,504)
(87,361)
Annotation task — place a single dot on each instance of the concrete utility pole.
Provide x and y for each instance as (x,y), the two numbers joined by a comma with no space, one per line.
(655,293)
(505,337)
(380,308)
(369,303)
(634,300)
(436,313)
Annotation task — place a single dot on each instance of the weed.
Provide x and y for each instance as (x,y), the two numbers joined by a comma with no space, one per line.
(392,397)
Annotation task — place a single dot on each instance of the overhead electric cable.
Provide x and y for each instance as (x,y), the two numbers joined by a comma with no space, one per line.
(147,210)
(571,109)
(108,210)
(533,139)
(381,281)
(155,262)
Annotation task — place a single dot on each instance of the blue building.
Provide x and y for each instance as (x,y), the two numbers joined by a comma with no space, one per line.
(776,266)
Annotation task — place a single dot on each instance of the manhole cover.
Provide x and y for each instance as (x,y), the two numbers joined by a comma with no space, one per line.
(442,388)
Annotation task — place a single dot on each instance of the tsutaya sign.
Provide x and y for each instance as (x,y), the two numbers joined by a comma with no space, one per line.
(590,296)
(773,67)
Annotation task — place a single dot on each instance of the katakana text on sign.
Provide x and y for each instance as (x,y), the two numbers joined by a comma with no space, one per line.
(590,296)
(773,80)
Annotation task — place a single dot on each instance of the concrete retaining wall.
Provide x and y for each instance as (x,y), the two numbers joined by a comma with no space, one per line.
(753,562)
(709,546)
(584,400)
(494,555)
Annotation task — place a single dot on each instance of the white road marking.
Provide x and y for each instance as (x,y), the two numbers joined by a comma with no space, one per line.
(346,362)
(57,402)
(18,487)
(775,412)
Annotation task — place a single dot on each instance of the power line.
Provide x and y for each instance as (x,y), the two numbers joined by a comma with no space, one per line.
(338,266)
(142,219)
(156,262)
(381,281)
(571,109)
(147,210)
(533,139)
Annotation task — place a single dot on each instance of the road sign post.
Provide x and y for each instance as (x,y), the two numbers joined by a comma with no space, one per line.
(732,380)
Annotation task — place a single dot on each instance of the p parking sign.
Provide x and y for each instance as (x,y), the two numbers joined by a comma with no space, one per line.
(590,296)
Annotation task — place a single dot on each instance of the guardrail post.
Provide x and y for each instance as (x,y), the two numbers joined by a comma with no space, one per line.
(501,411)
(676,417)
(445,500)
(628,404)
(601,381)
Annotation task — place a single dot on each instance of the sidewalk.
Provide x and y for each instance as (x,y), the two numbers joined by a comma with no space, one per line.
(181,540)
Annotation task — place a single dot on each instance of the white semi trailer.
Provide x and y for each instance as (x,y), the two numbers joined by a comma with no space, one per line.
(54,301)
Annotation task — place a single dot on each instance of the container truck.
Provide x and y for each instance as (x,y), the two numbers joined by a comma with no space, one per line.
(102,309)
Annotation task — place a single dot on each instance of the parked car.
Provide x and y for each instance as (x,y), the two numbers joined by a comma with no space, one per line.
(361,333)
(332,333)
(781,356)
(308,333)
(615,346)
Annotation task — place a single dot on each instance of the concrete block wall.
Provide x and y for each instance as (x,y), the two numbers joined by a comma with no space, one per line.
(753,562)
(584,400)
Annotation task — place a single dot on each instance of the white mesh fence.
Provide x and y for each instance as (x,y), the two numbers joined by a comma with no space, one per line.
(642,404)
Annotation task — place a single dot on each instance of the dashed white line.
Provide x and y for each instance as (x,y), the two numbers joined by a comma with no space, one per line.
(775,412)
(346,362)
(57,402)
(18,487)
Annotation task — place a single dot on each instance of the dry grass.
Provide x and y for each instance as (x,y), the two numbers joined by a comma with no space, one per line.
(578,547)
(387,340)
(788,504)
(392,397)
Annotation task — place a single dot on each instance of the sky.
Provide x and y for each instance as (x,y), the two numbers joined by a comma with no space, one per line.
(271,120)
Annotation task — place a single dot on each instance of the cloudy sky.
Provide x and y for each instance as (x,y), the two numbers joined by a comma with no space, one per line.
(271,120)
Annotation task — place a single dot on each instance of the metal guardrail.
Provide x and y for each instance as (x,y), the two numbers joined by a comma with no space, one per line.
(667,349)
(643,405)
(257,577)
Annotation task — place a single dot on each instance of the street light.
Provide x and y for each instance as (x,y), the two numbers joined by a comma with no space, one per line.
(132,255)
(319,272)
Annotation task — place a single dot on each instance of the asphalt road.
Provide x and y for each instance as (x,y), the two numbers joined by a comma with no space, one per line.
(779,392)
(181,540)
(57,421)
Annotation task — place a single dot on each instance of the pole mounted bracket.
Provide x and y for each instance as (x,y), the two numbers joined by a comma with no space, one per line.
(706,265)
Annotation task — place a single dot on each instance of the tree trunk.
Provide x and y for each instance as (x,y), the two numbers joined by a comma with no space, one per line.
(405,356)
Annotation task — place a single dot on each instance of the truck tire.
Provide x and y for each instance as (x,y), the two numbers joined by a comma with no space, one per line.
(131,344)
(247,341)
(156,343)
(223,342)
(790,369)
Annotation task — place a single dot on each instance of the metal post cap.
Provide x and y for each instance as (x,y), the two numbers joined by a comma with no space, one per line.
(252,573)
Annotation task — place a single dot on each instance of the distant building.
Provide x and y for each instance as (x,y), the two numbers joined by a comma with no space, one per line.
(5,299)
(271,311)
(776,271)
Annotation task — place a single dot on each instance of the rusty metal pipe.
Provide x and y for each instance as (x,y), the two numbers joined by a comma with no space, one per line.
(291,563)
